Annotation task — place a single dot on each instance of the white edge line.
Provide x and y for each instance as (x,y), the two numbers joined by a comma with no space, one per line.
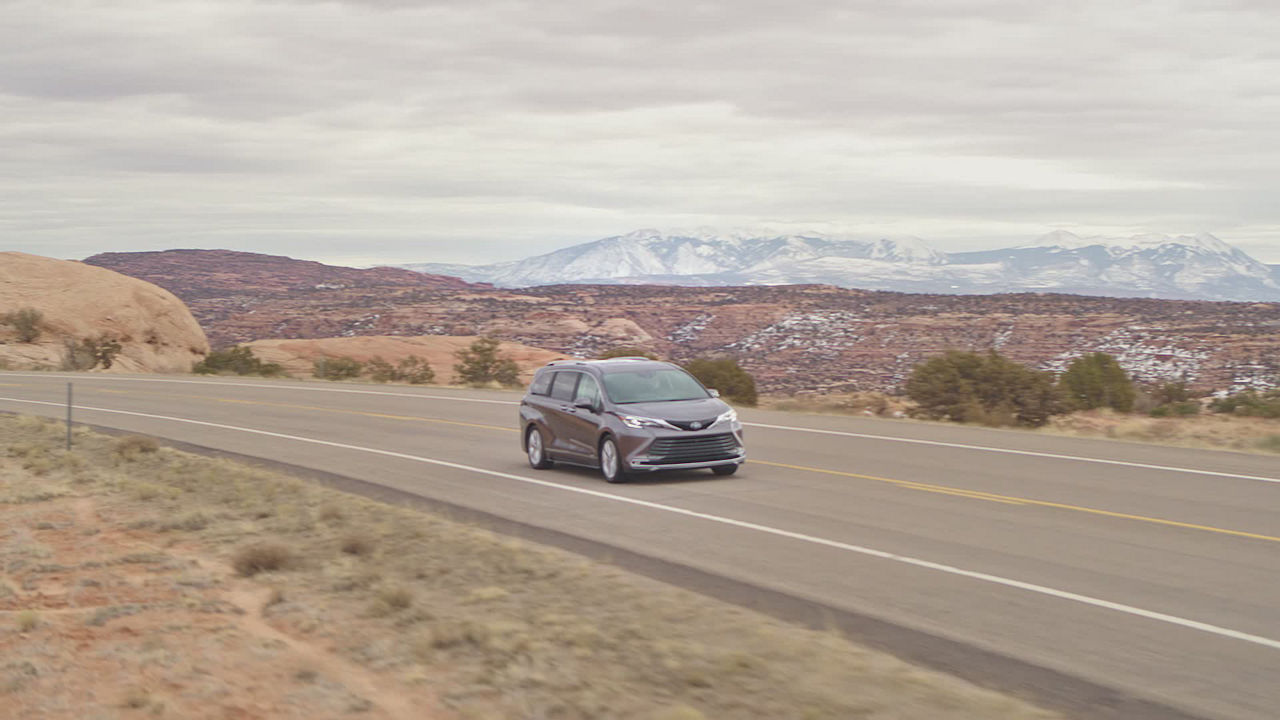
(905,559)
(271,386)
(841,433)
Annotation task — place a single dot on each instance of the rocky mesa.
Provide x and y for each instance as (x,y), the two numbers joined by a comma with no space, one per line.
(76,303)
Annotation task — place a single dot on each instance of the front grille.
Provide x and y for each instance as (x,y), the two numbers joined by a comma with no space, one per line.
(704,448)
(689,424)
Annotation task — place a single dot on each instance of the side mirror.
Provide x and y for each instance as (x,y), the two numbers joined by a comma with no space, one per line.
(714,392)
(586,405)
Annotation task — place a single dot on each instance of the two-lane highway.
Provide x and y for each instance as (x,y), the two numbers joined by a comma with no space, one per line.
(1152,571)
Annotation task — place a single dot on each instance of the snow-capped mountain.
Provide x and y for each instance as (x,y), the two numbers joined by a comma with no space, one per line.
(1182,267)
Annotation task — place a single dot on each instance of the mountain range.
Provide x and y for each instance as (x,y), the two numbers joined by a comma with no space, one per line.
(1185,267)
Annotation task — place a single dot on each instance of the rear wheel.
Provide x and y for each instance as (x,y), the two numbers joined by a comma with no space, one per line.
(536,449)
(611,461)
(725,469)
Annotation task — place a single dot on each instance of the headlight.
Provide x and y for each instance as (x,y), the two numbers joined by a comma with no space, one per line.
(730,415)
(635,421)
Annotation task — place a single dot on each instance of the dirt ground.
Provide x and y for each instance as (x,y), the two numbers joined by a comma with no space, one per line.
(139,581)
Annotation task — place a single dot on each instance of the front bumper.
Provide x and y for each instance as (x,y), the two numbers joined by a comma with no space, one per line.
(675,450)
(652,466)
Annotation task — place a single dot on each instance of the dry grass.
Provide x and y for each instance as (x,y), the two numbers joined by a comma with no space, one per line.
(855,403)
(419,608)
(1210,430)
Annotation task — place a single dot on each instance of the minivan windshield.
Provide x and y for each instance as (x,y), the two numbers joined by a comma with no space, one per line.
(653,385)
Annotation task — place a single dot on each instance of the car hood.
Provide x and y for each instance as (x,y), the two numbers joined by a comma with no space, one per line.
(706,409)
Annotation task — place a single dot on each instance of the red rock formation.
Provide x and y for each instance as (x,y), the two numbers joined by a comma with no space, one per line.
(793,338)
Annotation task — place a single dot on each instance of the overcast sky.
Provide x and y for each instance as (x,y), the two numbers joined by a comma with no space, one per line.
(384,131)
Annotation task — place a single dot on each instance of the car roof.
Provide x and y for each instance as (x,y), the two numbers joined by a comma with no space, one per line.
(610,364)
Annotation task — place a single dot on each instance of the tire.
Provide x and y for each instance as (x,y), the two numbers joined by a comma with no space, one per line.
(611,461)
(725,469)
(536,449)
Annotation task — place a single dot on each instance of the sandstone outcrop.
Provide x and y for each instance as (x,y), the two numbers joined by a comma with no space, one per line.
(77,302)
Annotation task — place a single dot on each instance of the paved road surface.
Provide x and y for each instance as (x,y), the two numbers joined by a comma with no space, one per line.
(1057,566)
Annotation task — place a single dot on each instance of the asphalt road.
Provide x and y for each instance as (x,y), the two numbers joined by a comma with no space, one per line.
(1112,579)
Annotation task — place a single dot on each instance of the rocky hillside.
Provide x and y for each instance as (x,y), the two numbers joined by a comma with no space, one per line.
(77,303)
(220,273)
(792,337)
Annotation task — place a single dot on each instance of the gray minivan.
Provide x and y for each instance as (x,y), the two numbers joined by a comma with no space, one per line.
(627,416)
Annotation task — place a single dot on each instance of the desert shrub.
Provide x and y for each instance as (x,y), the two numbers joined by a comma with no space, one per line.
(89,353)
(28,620)
(727,376)
(627,351)
(338,368)
(416,371)
(356,544)
(76,356)
(26,321)
(1171,392)
(1176,409)
(238,360)
(1270,443)
(1250,402)
(131,446)
(987,389)
(481,364)
(396,597)
(413,370)
(1096,380)
(261,557)
(381,371)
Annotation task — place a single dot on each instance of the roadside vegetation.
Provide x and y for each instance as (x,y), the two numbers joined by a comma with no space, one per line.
(26,323)
(482,364)
(89,353)
(983,388)
(1093,397)
(238,360)
(126,563)
(727,376)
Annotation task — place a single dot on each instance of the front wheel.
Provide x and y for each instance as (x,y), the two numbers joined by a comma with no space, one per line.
(725,469)
(611,461)
(536,448)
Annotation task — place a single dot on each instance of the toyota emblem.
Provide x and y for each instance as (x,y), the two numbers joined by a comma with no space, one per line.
(696,425)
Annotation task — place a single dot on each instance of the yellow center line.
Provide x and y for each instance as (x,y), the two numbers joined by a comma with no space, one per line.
(906,484)
(1028,501)
(962,493)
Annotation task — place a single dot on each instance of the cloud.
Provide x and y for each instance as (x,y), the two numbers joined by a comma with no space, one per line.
(471,131)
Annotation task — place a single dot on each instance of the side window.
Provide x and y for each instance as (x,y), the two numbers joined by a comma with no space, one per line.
(564,385)
(588,391)
(541,384)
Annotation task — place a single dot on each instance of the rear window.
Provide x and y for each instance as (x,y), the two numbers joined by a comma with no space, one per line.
(541,384)
(564,385)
